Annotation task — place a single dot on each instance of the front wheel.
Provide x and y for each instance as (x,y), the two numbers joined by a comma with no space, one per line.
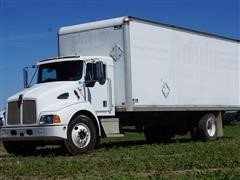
(81,135)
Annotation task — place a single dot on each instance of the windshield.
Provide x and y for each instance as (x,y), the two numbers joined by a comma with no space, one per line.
(60,71)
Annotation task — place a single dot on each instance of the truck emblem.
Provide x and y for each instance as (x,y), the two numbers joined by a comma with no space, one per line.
(165,90)
(116,52)
(20,100)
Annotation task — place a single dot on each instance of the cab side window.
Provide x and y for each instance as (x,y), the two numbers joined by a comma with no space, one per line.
(90,75)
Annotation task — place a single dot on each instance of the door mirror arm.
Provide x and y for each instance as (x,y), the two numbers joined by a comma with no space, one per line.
(25,75)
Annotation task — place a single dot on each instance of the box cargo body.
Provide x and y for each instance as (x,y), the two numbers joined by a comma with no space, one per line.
(160,67)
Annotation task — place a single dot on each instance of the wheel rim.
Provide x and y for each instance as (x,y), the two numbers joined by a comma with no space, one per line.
(211,126)
(81,135)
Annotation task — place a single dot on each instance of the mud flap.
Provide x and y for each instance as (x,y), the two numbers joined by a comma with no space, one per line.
(219,124)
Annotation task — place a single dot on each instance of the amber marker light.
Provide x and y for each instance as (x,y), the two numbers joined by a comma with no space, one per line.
(126,20)
(56,119)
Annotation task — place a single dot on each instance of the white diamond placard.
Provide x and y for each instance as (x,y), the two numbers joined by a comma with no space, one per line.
(116,52)
(165,90)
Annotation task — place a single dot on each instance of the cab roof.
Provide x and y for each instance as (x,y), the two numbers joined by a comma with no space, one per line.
(71,58)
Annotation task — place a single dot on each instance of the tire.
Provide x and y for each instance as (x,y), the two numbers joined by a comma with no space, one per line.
(19,148)
(156,134)
(81,135)
(150,135)
(207,127)
(194,133)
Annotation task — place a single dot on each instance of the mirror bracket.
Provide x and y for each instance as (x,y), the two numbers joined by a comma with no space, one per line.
(25,75)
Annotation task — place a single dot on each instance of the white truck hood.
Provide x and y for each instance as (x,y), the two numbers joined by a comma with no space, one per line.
(46,95)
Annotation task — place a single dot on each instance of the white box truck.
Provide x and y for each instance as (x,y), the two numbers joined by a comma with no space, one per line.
(162,79)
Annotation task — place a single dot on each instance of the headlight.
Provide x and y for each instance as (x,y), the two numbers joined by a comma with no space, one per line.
(49,119)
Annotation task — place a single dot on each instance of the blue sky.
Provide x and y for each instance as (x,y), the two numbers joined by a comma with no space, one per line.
(28,28)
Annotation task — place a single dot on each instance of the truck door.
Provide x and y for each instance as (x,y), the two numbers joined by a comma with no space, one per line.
(99,94)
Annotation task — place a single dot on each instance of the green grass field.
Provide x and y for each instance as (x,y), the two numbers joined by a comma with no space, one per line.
(131,158)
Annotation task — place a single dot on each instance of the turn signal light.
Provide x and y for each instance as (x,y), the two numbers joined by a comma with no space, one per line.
(56,119)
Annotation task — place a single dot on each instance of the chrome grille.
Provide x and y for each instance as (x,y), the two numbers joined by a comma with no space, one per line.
(13,117)
(29,112)
(28,108)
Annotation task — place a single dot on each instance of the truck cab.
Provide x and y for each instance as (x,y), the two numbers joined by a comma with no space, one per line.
(64,105)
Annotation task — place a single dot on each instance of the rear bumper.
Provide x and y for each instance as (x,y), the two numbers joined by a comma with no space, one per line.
(33,133)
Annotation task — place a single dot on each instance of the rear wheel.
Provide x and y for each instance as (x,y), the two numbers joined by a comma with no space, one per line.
(151,135)
(19,147)
(81,135)
(194,132)
(207,127)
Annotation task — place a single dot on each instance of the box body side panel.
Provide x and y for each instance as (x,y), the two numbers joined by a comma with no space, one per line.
(177,68)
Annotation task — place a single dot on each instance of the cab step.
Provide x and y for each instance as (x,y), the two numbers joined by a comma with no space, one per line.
(111,127)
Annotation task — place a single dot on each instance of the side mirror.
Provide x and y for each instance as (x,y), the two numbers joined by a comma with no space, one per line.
(25,77)
(100,72)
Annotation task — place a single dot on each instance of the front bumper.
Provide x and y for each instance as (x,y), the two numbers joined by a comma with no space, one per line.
(33,133)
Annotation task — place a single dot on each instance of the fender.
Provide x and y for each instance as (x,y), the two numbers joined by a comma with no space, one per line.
(69,112)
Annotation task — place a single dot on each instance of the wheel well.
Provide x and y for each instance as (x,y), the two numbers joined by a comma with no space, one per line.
(91,116)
